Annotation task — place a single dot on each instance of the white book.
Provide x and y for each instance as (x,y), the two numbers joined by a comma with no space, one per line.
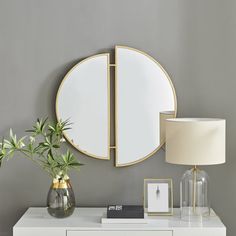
(105,220)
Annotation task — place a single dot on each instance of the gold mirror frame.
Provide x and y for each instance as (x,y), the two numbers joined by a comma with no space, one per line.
(163,116)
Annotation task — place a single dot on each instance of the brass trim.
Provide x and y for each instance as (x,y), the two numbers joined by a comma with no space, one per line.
(116,109)
(60,184)
(194,187)
(108,102)
(171,200)
(108,107)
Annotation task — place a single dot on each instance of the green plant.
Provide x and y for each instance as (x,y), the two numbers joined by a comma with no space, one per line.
(42,146)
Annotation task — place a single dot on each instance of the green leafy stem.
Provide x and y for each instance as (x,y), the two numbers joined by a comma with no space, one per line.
(43,147)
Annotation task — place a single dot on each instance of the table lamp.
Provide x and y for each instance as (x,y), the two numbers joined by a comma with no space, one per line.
(196,142)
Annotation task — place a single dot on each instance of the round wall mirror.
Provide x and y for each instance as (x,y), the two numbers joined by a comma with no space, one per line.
(144,98)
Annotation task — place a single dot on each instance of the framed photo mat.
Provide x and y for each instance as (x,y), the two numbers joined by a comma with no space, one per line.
(170,196)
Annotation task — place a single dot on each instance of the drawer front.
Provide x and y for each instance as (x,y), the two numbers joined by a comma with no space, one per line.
(119,233)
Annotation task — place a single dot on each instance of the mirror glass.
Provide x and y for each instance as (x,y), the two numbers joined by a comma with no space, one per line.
(145,96)
(83,97)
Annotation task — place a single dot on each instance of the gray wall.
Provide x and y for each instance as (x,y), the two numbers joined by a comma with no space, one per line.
(40,40)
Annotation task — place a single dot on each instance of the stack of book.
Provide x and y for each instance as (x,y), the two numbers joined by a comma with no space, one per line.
(124,214)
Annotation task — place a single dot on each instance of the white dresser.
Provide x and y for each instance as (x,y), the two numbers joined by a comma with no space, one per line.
(86,222)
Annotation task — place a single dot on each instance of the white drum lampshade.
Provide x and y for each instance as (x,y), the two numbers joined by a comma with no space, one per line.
(195,141)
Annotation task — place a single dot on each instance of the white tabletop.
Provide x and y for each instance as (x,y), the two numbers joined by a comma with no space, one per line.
(90,218)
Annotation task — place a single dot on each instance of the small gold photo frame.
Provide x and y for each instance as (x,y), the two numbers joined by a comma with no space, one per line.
(158,196)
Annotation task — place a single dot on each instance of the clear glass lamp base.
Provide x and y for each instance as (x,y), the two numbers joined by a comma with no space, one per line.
(189,214)
(194,196)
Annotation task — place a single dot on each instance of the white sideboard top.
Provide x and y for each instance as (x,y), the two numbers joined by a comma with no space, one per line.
(90,218)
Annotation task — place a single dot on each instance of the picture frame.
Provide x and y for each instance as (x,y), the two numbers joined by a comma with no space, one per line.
(158,197)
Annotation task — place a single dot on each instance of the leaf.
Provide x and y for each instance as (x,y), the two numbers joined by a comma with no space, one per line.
(11,133)
(8,144)
(32,139)
(20,142)
(50,127)
(3,143)
(66,128)
(39,127)
(30,130)
(77,164)
(11,153)
(44,122)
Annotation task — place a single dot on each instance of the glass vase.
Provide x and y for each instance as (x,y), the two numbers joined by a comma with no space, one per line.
(61,198)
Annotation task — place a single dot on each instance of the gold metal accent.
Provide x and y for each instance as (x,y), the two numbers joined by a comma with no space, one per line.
(116,109)
(108,104)
(56,184)
(112,147)
(194,187)
(112,64)
(171,193)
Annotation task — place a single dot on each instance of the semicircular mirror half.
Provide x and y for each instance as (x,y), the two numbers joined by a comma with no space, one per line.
(145,97)
(83,97)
